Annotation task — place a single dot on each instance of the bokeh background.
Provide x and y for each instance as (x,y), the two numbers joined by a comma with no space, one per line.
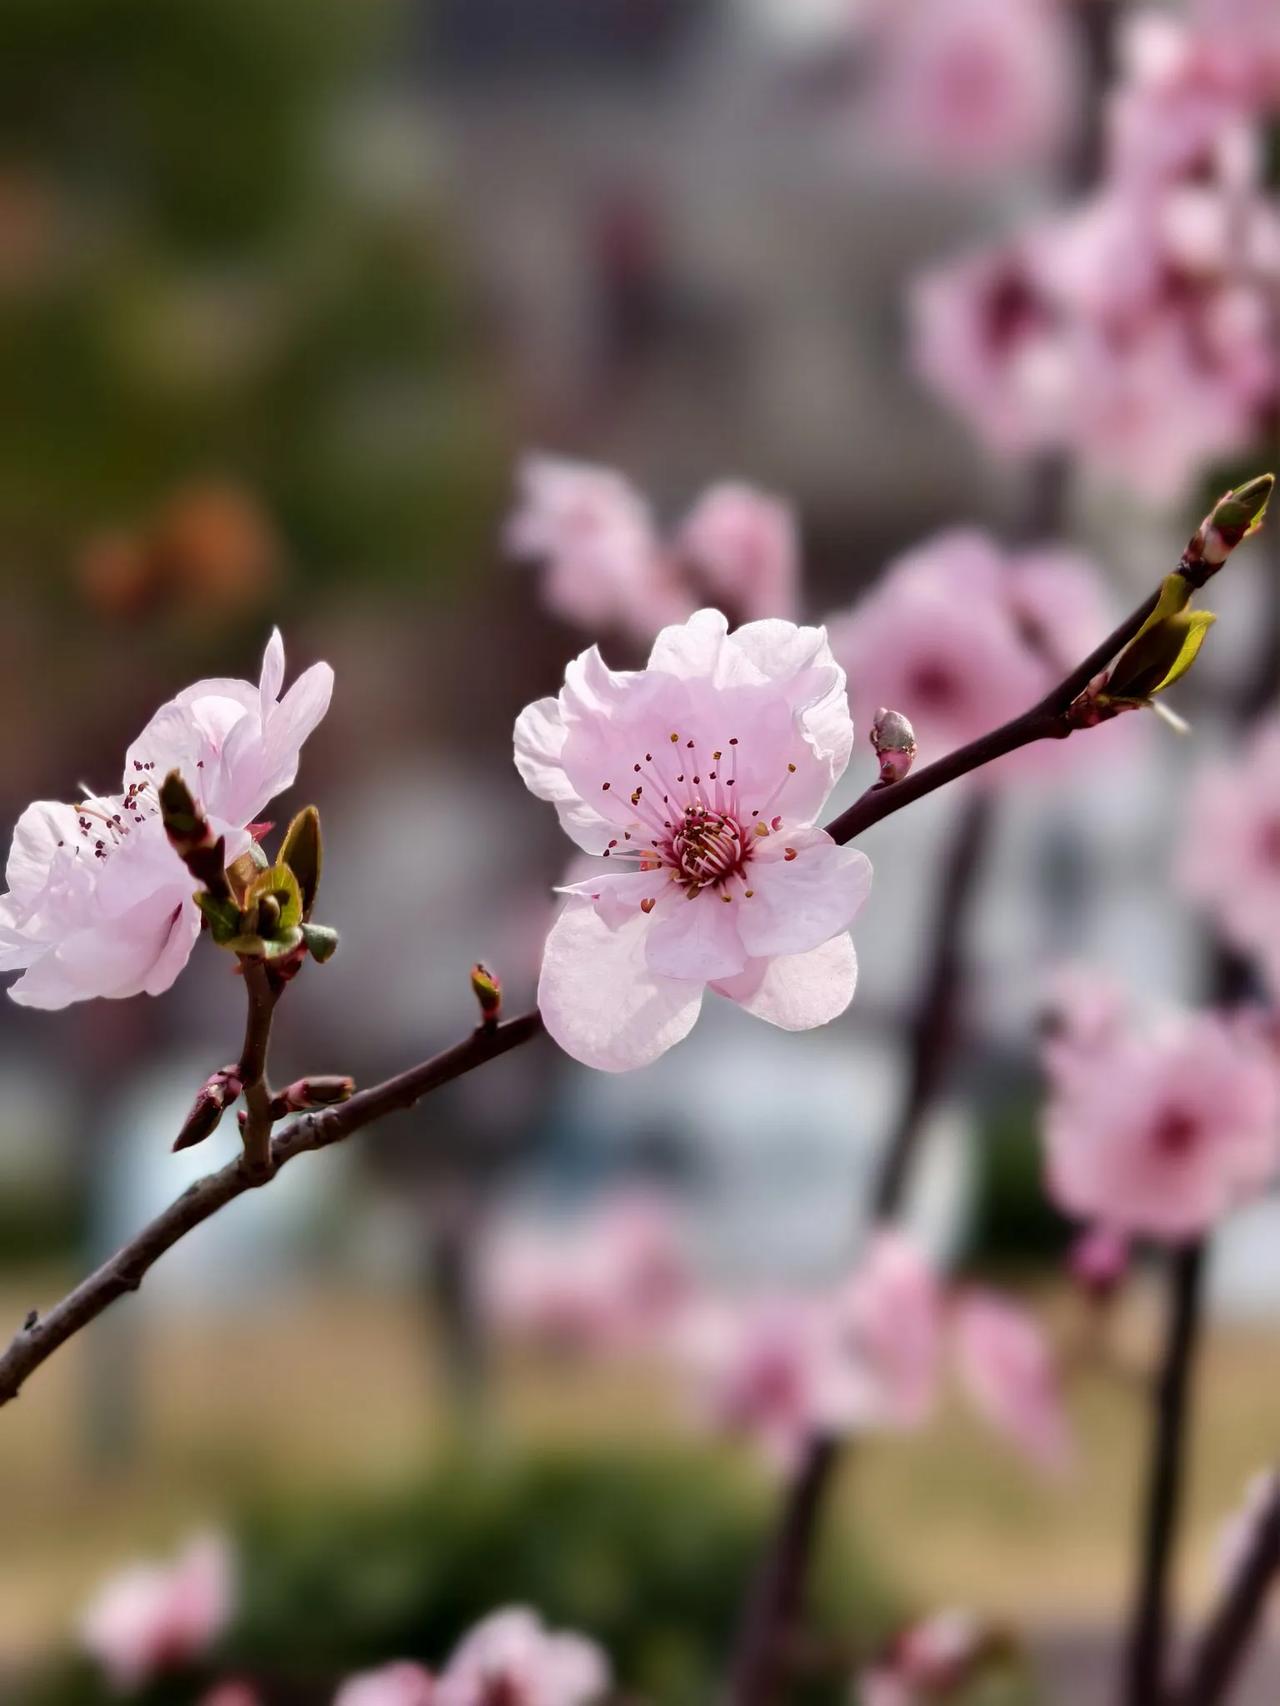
(285,291)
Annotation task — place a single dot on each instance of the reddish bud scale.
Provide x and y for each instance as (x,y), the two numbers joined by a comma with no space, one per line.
(486,986)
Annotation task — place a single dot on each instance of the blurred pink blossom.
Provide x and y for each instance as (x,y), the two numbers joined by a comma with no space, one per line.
(512,1657)
(1010,1376)
(889,1321)
(606,565)
(612,1281)
(232,1693)
(701,776)
(1244,36)
(960,636)
(1230,858)
(1239,1533)
(152,1618)
(401,1683)
(99,904)
(969,86)
(744,548)
(1172,1125)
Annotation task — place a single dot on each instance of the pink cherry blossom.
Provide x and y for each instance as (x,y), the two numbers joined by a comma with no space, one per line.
(1230,858)
(1009,1374)
(968,86)
(743,547)
(773,1370)
(1173,1123)
(612,1281)
(98,902)
(1099,1260)
(889,1318)
(603,562)
(512,1656)
(1244,38)
(959,636)
(701,776)
(401,1683)
(153,1618)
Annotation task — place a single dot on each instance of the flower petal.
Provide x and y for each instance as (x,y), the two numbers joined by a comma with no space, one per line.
(797,991)
(600,1000)
(271,679)
(798,903)
(540,735)
(698,939)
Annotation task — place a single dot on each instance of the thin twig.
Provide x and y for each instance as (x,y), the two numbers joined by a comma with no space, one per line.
(1145,1658)
(34,1344)
(261,1005)
(1216,1662)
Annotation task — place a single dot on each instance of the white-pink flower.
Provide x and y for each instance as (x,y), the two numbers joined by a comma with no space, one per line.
(701,776)
(512,1657)
(1230,858)
(153,1618)
(613,1280)
(1162,1129)
(1010,1376)
(969,86)
(960,636)
(98,902)
(400,1683)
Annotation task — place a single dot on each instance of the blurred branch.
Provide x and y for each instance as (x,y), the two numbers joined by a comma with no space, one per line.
(1217,1659)
(37,1339)
(1148,1631)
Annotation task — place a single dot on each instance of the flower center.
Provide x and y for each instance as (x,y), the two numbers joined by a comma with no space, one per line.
(1176,1132)
(690,821)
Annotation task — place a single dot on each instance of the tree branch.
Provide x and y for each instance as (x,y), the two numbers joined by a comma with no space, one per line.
(1143,1683)
(1222,1647)
(33,1344)
(256,1133)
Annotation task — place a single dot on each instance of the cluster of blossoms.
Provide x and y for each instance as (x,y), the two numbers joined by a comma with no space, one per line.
(699,779)
(960,666)
(99,903)
(155,1620)
(606,565)
(864,1355)
(1137,329)
(1157,1128)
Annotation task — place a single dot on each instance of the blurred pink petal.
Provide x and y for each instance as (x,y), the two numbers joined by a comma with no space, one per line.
(744,546)
(889,1315)
(512,1656)
(400,1683)
(1008,1371)
(153,1618)
(699,779)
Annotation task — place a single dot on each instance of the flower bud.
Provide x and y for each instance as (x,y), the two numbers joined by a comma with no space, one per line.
(303,853)
(307,1093)
(321,941)
(1098,1261)
(192,838)
(1160,653)
(1236,516)
(487,989)
(894,741)
(215,1097)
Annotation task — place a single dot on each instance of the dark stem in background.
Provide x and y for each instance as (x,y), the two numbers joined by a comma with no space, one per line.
(1143,1683)
(1216,1662)
(761,1655)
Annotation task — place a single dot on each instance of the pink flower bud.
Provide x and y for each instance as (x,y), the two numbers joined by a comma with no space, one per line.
(1098,1261)
(307,1093)
(214,1098)
(894,741)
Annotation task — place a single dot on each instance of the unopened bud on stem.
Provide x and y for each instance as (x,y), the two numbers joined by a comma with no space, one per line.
(192,838)
(894,741)
(215,1097)
(307,1093)
(1235,517)
(487,988)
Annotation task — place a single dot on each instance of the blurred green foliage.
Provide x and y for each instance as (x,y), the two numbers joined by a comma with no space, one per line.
(220,257)
(650,1554)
